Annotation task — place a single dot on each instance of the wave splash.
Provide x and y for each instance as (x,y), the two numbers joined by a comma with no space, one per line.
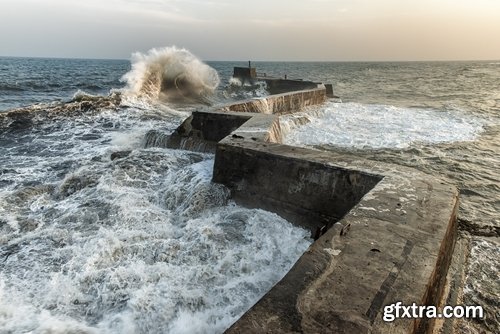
(360,126)
(170,74)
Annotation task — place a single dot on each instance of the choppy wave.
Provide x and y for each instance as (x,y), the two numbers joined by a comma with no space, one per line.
(364,126)
(141,244)
(170,74)
(79,191)
(236,89)
(11,88)
(101,235)
(101,254)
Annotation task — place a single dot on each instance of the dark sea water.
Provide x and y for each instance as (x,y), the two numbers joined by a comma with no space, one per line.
(27,81)
(92,241)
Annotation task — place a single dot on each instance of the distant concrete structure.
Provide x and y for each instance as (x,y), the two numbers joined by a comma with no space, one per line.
(245,74)
(248,75)
(278,86)
(329,91)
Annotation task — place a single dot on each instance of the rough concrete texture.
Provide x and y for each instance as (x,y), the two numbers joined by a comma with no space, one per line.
(273,85)
(453,294)
(393,234)
(202,130)
(308,192)
(394,245)
(278,86)
(280,103)
(245,74)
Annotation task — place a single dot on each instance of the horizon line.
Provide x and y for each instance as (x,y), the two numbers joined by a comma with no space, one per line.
(270,60)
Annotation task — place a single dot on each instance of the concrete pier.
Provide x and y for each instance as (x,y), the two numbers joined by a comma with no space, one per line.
(283,103)
(274,85)
(385,234)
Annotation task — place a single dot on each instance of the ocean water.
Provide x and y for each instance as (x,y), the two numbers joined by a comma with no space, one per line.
(28,81)
(99,234)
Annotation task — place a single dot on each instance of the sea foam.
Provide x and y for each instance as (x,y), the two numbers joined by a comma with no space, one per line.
(142,243)
(365,126)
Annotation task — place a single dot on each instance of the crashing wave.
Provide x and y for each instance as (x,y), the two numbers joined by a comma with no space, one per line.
(237,90)
(170,74)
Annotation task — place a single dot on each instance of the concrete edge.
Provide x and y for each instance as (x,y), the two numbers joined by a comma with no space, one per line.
(395,244)
(279,103)
(418,211)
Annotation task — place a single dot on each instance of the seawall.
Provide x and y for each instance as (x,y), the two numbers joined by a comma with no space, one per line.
(283,103)
(384,233)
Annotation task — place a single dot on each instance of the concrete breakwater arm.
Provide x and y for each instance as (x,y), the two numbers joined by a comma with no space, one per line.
(385,233)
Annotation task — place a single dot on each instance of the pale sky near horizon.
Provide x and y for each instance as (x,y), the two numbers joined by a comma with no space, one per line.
(336,30)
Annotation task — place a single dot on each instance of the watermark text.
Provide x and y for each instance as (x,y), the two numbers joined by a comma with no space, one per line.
(414,311)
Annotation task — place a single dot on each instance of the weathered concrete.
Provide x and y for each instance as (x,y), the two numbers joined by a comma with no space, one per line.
(245,74)
(329,91)
(278,86)
(202,130)
(307,192)
(393,234)
(395,244)
(280,103)
(453,294)
(249,75)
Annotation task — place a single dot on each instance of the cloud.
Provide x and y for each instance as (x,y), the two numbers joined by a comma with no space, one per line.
(224,29)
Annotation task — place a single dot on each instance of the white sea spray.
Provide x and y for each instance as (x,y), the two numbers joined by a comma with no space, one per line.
(370,126)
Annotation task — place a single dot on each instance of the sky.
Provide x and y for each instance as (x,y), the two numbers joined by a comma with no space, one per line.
(302,30)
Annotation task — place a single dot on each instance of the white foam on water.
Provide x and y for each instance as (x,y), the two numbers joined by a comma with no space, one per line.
(239,90)
(145,243)
(235,82)
(364,126)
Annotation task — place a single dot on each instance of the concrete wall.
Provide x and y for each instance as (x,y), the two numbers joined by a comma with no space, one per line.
(280,103)
(278,86)
(305,192)
(386,233)
(202,130)
(393,244)
(245,73)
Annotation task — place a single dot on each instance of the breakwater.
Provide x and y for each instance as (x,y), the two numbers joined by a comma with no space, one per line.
(383,233)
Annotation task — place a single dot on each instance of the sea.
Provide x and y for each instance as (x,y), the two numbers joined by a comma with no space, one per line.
(101,233)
